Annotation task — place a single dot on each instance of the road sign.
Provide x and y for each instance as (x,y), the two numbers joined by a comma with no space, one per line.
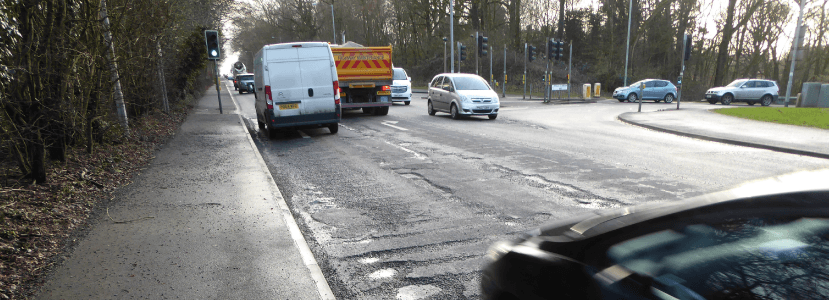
(559,87)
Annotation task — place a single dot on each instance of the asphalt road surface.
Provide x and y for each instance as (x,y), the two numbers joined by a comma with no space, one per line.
(405,205)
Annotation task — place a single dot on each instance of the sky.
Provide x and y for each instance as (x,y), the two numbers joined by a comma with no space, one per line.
(710,16)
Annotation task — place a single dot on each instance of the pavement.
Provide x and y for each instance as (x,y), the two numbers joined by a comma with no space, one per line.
(708,125)
(204,220)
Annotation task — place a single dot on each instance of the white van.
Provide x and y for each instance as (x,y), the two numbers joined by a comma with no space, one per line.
(296,87)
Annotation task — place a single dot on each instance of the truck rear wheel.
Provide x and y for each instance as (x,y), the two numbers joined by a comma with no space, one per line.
(382,111)
(333,128)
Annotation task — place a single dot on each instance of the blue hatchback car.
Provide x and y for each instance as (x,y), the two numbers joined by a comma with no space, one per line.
(655,89)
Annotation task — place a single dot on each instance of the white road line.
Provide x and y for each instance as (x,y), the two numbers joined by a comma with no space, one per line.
(305,252)
(393,126)
(233,100)
(305,136)
(347,127)
(417,155)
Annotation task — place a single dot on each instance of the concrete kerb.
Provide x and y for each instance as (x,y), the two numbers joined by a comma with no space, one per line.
(299,240)
(725,141)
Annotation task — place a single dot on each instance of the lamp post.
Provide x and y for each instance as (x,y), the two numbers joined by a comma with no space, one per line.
(333,31)
(627,41)
(452,49)
(445,54)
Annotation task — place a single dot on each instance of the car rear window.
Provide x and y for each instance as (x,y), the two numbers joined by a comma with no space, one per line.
(400,74)
(246,77)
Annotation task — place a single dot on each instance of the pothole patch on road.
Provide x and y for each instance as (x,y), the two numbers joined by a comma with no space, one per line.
(415,292)
(382,274)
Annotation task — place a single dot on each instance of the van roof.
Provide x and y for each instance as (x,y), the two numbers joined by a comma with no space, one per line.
(297,44)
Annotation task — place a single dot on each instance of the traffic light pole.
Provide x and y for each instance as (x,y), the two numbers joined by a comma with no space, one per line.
(459,57)
(547,66)
(682,68)
(478,52)
(570,56)
(504,84)
(524,75)
(216,79)
(491,67)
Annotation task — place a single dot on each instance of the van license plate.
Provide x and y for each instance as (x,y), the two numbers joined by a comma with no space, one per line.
(289,106)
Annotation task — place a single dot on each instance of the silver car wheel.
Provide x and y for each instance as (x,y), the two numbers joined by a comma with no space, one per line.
(766,101)
(632,97)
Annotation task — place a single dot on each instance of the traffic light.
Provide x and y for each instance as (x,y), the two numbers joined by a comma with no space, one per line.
(212,42)
(551,48)
(482,45)
(531,53)
(688,51)
(558,52)
(462,52)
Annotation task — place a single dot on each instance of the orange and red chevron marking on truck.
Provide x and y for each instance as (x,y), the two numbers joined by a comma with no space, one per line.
(364,63)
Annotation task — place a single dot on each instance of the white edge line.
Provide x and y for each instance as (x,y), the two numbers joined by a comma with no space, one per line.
(417,155)
(396,127)
(233,100)
(305,252)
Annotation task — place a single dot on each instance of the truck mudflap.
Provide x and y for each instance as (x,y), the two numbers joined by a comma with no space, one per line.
(367,104)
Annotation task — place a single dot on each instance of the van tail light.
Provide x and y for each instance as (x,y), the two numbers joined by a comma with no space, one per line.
(336,90)
(269,102)
(385,88)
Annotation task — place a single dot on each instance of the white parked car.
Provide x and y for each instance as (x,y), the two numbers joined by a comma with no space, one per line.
(462,94)
(401,86)
(750,91)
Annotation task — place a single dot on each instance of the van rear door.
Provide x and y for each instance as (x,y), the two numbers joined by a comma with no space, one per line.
(301,80)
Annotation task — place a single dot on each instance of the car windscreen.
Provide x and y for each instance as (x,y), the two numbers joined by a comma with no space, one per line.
(470,83)
(748,258)
(736,83)
(246,77)
(400,74)
(637,84)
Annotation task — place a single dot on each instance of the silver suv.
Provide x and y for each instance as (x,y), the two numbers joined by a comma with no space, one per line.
(750,91)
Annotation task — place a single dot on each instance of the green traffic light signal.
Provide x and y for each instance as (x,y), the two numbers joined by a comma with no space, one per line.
(212,43)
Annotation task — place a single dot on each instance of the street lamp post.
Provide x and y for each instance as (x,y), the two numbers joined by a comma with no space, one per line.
(333,31)
(627,41)
(452,49)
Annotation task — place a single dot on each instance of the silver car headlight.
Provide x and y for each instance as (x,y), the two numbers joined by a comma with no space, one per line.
(495,100)
(465,99)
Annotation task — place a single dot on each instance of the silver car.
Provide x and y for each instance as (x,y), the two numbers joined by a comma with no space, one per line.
(750,91)
(655,89)
(462,94)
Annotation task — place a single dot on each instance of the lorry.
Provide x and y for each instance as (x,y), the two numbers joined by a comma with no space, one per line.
(365,77)
(236,69)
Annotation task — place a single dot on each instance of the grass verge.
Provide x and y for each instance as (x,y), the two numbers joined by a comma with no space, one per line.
(801,116)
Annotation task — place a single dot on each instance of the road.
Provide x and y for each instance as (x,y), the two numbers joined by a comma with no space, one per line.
(405,205)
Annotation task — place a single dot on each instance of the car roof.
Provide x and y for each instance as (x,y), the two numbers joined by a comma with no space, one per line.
(605,221)
(242,74)
(454,75)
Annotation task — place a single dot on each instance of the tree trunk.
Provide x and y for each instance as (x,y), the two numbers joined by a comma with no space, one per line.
(118,96)
(723,48)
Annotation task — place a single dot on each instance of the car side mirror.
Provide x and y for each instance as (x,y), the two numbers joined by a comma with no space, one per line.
(409,78)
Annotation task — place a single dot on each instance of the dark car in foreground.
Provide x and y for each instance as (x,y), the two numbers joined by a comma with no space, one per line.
(763,240)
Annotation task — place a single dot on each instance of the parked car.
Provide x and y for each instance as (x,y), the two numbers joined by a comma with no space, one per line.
(655,89)
(245,82)
(401,86)
(764,240)
(296,87)
(750,91)
(462,94)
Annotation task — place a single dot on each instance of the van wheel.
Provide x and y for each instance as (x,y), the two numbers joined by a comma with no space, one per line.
(333,128)
(406,103)
(368,110)
(272,132)
(382,111)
